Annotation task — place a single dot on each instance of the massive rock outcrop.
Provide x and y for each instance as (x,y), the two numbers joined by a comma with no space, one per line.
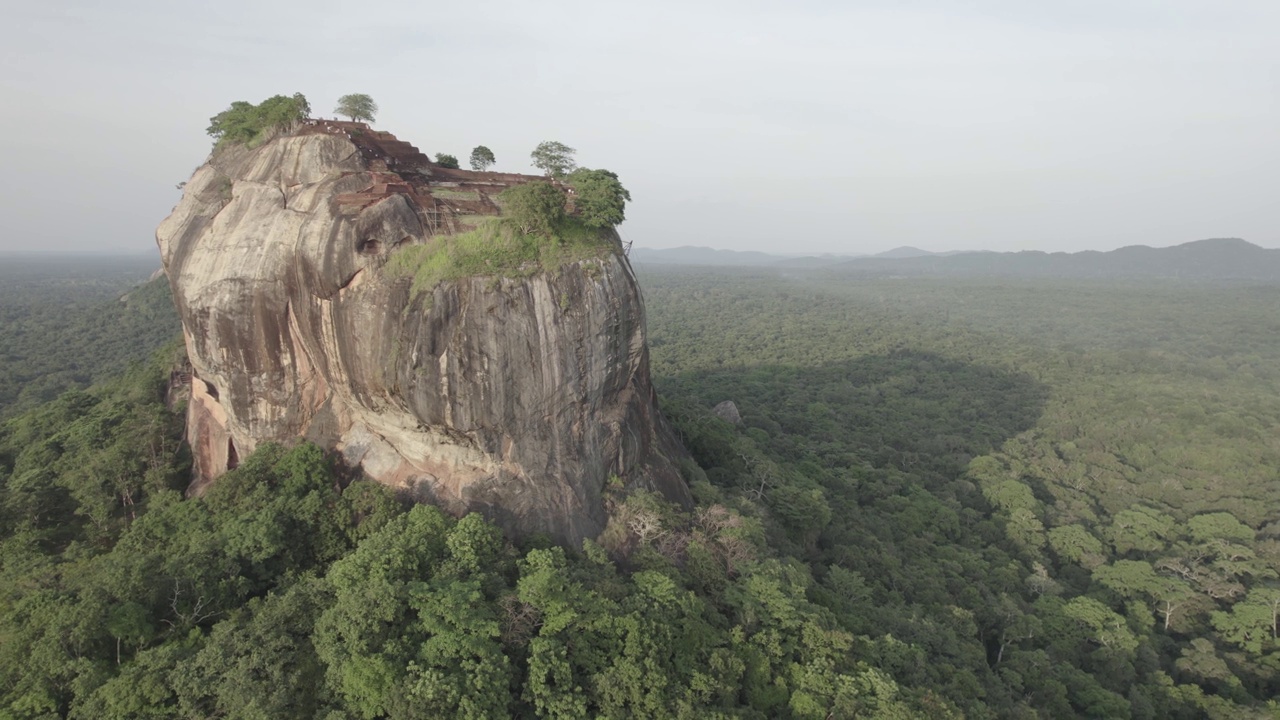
(515,396)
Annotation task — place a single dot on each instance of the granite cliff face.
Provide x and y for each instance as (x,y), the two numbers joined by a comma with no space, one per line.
(515,396)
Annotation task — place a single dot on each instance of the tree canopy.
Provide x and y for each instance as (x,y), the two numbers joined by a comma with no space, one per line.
(482,158)
(996,458)
(554,158)
(67,322)
(534,207)
(357,106)
(446,160)
(247,123)
(598,197)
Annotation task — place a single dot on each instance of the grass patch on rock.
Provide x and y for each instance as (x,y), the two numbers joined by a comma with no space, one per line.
(448,194)
(496,247)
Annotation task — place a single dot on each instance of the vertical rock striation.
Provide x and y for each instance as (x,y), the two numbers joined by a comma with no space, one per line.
(517,397)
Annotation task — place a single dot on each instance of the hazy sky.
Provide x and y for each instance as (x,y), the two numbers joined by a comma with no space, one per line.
(783,127)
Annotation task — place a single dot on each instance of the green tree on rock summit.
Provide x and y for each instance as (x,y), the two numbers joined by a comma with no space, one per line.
(244,122)
(600,198)
(534,207)
(357,106)
(554,158)
(482,158)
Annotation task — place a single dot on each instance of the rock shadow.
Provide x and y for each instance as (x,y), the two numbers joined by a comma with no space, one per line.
(916,411)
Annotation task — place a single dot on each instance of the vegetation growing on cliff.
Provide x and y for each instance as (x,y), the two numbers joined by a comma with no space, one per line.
(598,197)
(251,124)
(535,208)
(497,247)
(534,234)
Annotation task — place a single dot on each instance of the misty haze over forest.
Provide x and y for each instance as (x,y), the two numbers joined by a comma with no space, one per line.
(810,127)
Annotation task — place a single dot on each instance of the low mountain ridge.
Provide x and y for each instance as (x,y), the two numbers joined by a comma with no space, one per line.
(1226,259)
(693,255)
(1221,259)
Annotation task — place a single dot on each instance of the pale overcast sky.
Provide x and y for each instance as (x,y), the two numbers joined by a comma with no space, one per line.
(784,127)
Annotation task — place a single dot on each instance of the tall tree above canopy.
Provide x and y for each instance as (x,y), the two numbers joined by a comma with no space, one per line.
(482,158)
(554,158)
(357,106)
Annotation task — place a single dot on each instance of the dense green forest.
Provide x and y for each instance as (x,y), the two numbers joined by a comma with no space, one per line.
(1035,499)
(946,499)
(288,592)
(67,321)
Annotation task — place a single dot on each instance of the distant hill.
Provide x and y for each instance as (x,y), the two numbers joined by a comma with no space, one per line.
(906,251)
(1222,259)
(813,261)
(1225,259)
(688,255)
